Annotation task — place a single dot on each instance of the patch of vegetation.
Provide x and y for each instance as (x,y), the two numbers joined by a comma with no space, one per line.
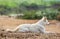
(32,9)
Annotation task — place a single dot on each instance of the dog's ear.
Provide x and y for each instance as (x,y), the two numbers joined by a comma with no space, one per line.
(44,18)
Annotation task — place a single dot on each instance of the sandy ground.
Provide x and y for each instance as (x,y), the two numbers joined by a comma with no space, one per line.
(11,23)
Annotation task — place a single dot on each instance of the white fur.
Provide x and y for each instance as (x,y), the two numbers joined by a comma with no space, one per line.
(36,27)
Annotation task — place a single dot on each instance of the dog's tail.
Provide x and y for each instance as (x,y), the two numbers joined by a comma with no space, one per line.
(12,30)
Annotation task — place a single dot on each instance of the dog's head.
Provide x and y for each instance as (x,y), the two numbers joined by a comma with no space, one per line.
(44,20)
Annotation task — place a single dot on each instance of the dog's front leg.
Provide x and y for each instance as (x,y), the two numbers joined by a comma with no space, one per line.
(49,32)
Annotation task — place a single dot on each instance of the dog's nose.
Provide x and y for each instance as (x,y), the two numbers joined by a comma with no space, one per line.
(48,23)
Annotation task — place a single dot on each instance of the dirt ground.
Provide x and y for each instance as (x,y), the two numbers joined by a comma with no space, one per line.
(11,23)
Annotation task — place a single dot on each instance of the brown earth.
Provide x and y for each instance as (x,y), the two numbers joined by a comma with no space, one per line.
(11,23)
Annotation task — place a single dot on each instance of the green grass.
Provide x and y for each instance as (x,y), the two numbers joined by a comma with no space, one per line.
(14,3)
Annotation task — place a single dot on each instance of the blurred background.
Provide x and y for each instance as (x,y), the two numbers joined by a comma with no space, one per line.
(16,12)
(30,9)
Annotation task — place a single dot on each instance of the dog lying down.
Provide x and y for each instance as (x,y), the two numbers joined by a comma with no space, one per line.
(37,27)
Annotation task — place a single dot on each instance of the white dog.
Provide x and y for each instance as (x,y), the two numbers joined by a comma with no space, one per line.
(37,27)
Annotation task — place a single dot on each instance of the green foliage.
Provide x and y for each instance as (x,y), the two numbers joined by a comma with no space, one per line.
(50,13)
(15,3)
(18,6)
(29,15)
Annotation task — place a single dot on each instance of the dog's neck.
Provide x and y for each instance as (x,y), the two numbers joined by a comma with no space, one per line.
(40,22)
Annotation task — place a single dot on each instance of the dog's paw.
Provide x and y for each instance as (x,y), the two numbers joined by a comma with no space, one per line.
(50,32)
(7,30)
